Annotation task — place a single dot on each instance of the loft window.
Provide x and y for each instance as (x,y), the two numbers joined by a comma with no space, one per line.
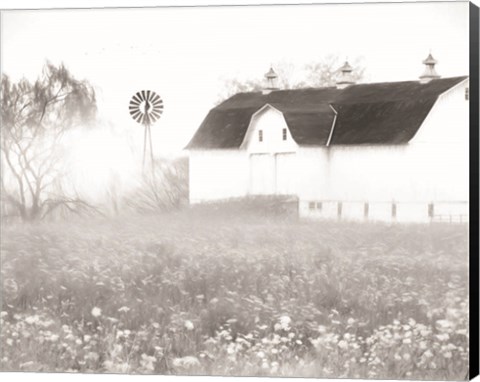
(311,205)
(319,206)
(467,95)
(260,135)
(284,134)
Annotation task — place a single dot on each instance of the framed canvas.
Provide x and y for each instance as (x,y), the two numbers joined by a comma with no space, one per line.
(239,190)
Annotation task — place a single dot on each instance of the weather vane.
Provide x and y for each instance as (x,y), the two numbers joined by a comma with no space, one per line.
(146,107)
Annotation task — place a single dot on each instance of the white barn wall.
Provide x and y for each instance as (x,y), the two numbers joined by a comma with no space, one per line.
(432,168)
(441,146)
(217,174)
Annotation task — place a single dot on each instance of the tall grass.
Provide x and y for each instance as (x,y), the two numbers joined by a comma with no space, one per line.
(219,291)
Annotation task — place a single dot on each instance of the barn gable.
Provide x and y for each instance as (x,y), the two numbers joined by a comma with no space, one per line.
(382,113)
(268,131)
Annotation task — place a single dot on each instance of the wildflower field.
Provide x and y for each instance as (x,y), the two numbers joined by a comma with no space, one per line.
(228,293)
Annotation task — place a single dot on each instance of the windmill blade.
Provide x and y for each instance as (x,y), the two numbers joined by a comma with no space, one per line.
(144,96)
(135,110)
(138,117)
(148,95)
(134,107)
(158,111)
(136,99)
(156,114)
(139,95)
(135,114)
(134,104)
(158,106)
(155,98)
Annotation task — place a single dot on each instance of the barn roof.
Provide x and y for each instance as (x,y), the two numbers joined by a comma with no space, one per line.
(381,113)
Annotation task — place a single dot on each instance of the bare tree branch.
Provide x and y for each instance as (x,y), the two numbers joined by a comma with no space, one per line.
(35,117)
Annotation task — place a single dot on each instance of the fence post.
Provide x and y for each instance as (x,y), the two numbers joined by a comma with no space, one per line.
(431,211)
(394,210)
(365,210)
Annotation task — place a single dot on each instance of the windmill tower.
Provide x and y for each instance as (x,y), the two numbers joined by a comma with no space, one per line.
(146,107)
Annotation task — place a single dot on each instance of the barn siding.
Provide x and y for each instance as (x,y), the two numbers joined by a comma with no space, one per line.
(432,168)
(218,174)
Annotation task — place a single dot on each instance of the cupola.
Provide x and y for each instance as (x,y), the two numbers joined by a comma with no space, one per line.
(271,79)
(430,73)
(345,77)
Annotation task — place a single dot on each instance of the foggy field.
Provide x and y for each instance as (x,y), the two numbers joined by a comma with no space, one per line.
(209,292)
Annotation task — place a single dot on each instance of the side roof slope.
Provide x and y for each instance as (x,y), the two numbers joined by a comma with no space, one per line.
(381,113)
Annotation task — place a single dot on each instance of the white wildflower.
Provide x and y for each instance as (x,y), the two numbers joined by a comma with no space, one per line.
(189,325)
(96,312)
(32,319)
(285,322)
(322,329)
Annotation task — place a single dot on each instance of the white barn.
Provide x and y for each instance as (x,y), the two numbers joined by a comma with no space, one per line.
(393,151)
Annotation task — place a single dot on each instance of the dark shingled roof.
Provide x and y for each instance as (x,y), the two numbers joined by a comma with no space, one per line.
(382,113)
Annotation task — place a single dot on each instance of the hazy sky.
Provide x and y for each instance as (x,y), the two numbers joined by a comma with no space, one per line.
(185,53)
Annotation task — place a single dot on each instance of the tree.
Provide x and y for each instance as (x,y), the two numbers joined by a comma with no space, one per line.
(321,73)
(34,118)
(325,72)
(165,189)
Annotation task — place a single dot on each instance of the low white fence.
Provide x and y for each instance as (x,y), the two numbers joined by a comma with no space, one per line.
(393,211)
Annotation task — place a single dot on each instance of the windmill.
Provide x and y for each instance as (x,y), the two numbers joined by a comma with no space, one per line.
(146,107)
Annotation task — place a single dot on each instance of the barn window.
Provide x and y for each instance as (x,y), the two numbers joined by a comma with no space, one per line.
(260,135)
(339,209)
(467,95)
(284,134)
(394,210)
(319,206)
(311,205)
(366,208)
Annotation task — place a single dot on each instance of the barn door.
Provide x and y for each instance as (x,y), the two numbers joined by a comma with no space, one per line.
(285,173)
(262,174)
